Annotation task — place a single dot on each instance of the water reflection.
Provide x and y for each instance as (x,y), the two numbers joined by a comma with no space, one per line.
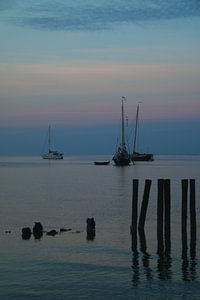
(193,247)
(164,267)
(146,256)
(145,259)
(141,262)
(146,265)
(136,269)
(189,265)
(90,235)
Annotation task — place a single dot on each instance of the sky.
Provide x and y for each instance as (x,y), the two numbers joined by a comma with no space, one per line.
(68,63)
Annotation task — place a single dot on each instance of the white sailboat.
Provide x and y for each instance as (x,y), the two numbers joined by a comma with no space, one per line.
(121,157)
(51,154)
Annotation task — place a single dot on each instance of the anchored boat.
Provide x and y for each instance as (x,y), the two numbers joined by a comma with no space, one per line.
(51,154)
(121,157)
(136,156)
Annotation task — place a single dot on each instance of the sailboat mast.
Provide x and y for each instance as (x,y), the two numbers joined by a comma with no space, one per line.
(136,128)
(49,138)
(123,133)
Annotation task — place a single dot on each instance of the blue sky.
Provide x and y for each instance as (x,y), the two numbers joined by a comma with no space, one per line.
(67,63)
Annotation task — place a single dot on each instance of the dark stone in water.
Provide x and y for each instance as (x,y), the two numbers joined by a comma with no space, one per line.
(64,229)
(90,229)
(37,230)
(52,232)
(26,233)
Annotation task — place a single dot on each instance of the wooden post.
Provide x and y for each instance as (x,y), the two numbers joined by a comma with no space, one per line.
(143,245)
(184,184)
(134,214)
(160,215)
(192,219)
(167,206)
(144,206)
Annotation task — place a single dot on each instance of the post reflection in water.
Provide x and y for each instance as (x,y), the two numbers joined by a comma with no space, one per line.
(164,262)
(136,268)
(146,256)
(189,264)
(145,259)
(164,266)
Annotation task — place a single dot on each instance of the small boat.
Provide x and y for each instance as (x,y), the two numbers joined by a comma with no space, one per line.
(101,163)
(122,157)
(137,156)
(51,154)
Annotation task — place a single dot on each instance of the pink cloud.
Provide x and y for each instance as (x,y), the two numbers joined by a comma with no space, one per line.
(81,94)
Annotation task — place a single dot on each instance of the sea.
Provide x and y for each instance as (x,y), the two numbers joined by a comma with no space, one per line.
(73,265)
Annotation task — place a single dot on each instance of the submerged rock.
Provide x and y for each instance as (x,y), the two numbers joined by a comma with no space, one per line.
(64,230)
(26,233)
(52,232)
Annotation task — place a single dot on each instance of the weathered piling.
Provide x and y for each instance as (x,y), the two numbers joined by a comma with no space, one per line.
(91,224)
(192,219)
(160,207)
(134,214)
(184,185)
(144,205)
(164,216)
(143,244)
(167,214)
(38,230)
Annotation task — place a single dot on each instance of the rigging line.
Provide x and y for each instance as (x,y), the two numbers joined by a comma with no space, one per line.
(118,130)
(127,135)
(128,146)
(116,146)
(136,127)
(131,135)
(45,142)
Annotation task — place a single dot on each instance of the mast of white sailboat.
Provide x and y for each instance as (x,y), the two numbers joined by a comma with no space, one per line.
(123,133)
(49,138)
(136,128)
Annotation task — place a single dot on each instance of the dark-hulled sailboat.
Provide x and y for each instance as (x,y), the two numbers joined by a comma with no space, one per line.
(136,156)
(122,157)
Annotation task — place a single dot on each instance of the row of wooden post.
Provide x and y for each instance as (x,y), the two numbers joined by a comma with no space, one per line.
(164,214)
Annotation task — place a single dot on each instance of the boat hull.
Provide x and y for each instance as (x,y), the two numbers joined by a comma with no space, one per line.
(101,163)
(121,161)
(53,156)
(121,158)
(142,157)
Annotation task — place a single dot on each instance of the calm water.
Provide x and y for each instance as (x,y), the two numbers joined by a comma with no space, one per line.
(68,266)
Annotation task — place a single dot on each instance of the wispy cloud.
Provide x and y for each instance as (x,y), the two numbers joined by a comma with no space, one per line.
(94,15)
